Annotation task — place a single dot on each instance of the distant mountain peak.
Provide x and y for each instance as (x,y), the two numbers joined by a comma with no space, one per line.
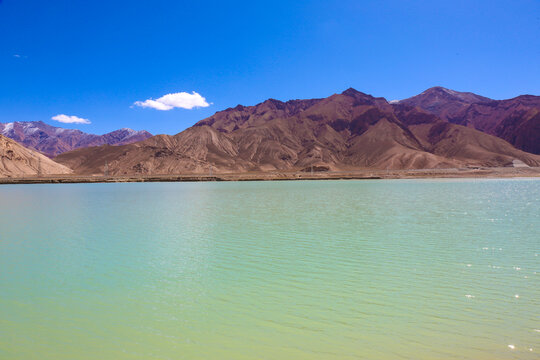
(515,120)
(52,140)
(436,92)
(274,103)
(353,92)
(361,98)
(439,88)
(443,90)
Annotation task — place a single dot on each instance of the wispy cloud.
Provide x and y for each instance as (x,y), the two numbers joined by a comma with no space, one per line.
(182,100)
(66,119)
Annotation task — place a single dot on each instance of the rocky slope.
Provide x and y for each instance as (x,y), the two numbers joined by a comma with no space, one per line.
(52,140)
(16,160)
(345,131)
(515,120)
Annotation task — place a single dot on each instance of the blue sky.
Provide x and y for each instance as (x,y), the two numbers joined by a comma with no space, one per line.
(95,59)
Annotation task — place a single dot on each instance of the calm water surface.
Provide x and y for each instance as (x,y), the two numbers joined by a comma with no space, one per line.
(412,269)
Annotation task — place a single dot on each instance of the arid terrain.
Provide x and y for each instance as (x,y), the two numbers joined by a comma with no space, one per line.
(515,120)
(16,160)
(344,133)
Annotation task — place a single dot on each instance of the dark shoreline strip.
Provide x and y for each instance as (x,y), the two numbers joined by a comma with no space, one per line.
(287,176)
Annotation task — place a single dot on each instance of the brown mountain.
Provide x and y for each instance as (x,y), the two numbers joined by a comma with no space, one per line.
(350,130)
(16,160)
(52,140)
(445,103)
(516,120)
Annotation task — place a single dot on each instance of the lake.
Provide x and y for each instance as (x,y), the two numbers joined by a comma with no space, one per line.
(378,269)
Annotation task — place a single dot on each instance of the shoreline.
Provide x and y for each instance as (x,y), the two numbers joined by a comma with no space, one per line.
(506,172)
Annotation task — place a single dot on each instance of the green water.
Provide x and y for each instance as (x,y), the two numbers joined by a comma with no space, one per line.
(399,269)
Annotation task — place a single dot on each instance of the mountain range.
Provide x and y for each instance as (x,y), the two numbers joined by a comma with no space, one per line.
(52,140)
(351,130)
(515,120)
(439,128)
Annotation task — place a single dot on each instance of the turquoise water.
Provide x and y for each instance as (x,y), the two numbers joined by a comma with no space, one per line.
(398,269)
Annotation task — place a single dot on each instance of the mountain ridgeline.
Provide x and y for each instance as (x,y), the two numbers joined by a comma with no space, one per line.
(52,140)
(515,120)
(16,160)
(439,128)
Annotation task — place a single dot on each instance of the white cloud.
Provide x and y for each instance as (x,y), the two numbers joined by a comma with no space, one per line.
(17,55)
(70,119)
(182,100)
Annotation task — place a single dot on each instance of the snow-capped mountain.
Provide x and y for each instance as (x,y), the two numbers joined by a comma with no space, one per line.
(52,140)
